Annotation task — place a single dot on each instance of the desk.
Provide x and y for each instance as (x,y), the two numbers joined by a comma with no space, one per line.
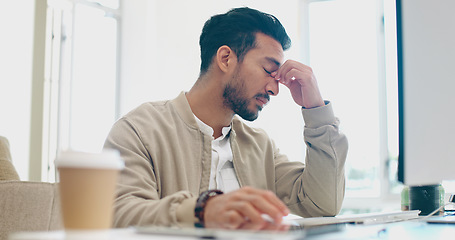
(402,230)
(413,230)
(112,234)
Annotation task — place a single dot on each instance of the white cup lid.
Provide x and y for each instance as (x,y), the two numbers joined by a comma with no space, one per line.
(108,158)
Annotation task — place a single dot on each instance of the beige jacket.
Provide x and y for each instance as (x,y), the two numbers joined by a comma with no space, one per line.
(168,162)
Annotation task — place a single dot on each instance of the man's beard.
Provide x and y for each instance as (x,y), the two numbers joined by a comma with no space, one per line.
(235,98)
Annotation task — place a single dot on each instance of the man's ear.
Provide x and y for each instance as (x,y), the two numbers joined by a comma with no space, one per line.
(225,58)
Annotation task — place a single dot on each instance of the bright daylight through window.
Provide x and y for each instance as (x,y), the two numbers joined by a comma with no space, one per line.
(87,74)
(347,51)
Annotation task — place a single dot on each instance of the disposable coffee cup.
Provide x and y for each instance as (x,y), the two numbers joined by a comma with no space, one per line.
(87,188)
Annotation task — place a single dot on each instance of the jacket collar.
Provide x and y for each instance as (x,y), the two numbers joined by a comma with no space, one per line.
(183,109)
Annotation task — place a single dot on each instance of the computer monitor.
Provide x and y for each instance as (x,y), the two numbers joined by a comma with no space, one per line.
(426,79)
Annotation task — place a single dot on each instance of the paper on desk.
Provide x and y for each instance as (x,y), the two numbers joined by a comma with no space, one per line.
(367,218)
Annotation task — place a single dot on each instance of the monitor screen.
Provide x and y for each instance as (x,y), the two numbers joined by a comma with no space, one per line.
(426,85)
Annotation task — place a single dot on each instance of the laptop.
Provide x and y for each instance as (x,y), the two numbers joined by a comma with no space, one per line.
(299,227)
(446,219)
(206,233)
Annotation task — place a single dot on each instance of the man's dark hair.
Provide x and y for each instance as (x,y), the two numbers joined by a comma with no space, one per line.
(237,29)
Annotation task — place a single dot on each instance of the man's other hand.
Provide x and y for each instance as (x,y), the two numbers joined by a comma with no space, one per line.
(244,209)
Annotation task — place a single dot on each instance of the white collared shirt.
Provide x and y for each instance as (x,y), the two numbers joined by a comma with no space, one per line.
(222,173)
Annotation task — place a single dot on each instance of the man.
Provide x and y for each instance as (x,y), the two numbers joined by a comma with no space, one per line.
(179,152)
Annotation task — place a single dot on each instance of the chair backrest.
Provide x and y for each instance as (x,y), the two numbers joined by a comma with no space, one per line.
(28,206)
(25,206)
(7,170)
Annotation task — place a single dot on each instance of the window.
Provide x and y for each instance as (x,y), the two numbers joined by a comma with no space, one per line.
(348,45)
(82,66)
(93,81)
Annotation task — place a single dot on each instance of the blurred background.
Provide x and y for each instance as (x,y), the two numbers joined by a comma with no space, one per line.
(70,68)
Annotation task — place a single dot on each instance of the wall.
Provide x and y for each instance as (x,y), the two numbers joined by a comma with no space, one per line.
(16,41)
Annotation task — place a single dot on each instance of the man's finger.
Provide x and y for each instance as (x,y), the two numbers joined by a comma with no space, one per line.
(277,202)
(249,212)
(264,202)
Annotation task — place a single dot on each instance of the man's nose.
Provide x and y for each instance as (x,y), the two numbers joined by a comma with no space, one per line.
(272,87)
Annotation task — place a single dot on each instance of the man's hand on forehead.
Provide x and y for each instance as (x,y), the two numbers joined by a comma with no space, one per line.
(300,80)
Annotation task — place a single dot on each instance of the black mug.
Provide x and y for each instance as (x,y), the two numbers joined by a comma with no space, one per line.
(424,198)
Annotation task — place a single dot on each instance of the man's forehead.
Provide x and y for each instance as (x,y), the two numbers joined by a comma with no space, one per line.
(271,48)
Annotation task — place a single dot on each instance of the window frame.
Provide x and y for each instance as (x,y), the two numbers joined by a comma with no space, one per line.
(48,128)
(386,92)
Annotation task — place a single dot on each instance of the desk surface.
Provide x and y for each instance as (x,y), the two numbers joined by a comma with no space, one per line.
(402,230)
